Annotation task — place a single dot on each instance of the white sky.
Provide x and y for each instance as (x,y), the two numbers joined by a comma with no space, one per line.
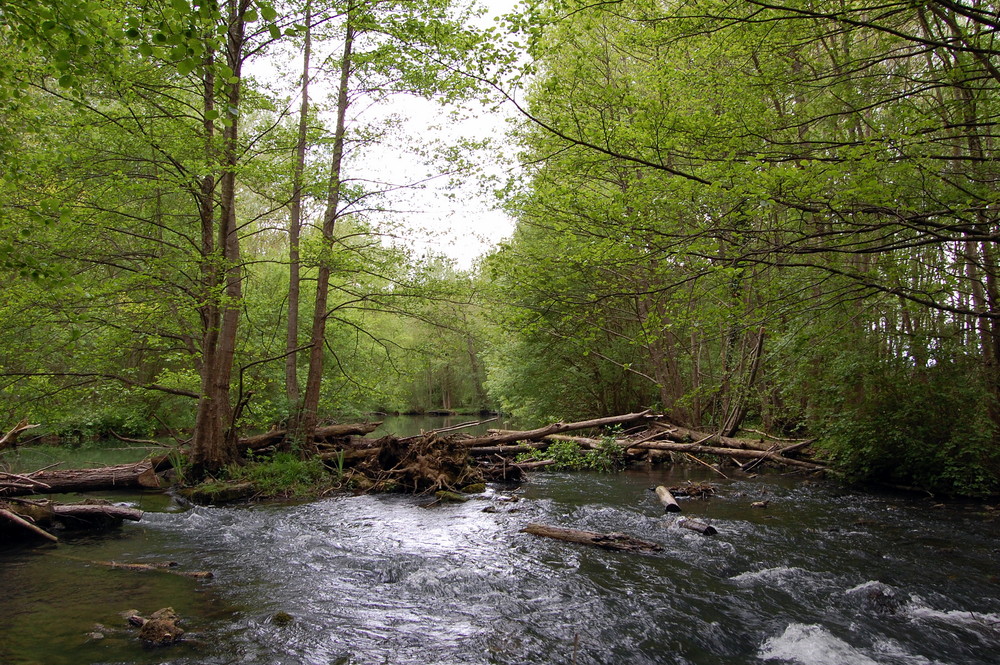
(467,223)
(460,222)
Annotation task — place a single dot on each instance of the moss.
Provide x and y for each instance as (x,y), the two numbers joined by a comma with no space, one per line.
(444,496)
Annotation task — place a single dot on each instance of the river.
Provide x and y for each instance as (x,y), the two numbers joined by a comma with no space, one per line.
(822,576)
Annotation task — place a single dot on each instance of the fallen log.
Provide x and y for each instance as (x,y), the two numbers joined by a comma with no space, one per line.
(583,441)
(274,437)
(508,450)
(91,512)
(732,452)
(700,527)
(618,542)
(137,475)
(452,428)
(686,435)
(19,521)
(554,428)
(670,504)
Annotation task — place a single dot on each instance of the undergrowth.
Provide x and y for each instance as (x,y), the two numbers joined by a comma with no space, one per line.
(284,475)
(569,456)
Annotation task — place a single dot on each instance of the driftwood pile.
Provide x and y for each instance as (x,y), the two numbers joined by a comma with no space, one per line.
(445,459)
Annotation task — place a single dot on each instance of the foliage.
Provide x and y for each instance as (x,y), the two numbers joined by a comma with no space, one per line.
(927,428)
(284,475)
(569,456)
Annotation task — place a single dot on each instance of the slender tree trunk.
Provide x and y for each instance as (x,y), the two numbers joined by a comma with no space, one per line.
(295,226)
(310,401)
(214,440)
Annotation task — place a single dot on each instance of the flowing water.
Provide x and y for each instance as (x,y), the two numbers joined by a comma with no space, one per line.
(823,576)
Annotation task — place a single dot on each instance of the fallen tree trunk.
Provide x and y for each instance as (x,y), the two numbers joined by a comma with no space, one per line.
(162,567)
(274,437)
(583,441)
(22,523)
(618,542)
(686,435)
(670,504)
(137,475)
(91,512)
(555,428)
(739,453)
(508,450)
(700,527)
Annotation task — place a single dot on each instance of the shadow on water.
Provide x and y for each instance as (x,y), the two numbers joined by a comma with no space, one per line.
(823,576)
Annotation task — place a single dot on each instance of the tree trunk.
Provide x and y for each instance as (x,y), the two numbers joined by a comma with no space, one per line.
(555,428)
(670,504)
(214,438)
(609,541)
(314,381)
(295,226)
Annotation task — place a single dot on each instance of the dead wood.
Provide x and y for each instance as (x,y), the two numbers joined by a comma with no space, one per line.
(527,466)
(10,438)
(327,433)
(453,428)
(582,441)
(610,541)
(19,521)
(670,504)
(555,428)
(137,475)
(509,450)
(700,527)
(144,442)
(685,435)
(94,512)
(732,452)
(161,567)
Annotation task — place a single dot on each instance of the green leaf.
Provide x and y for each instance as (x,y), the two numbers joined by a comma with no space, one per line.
(275,31)
(268,11)
(250,16)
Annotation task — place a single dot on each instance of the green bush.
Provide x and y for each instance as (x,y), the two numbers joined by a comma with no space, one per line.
(926,428)
(569,456)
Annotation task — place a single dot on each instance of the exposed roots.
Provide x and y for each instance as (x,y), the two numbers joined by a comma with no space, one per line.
(422,465)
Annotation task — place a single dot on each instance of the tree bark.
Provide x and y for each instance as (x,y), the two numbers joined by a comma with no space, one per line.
(10,438)
(310,401)
(555,428)
(275,437)
(670,504)
(140,475)
(295,225)
(618,542)
(739,453)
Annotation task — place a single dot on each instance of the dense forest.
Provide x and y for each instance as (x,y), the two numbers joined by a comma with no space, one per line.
(749,215)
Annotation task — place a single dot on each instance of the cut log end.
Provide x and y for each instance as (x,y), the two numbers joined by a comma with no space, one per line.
(670,504)
(700,527)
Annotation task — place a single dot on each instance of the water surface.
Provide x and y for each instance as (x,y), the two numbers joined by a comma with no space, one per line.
(822,576)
